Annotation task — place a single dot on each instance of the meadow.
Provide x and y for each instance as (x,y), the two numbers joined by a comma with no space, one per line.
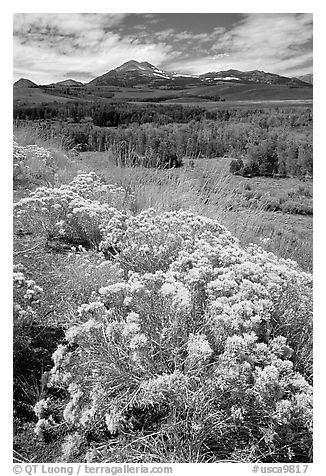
(160,314)
(231,93)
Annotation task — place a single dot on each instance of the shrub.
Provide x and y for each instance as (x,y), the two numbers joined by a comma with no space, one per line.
(34,341)
(150,242)
(32,165)
(163,156)
(26,295)
(297,208)
(273,204)
(74,212)
(236,166)
(186,358)
(83,272)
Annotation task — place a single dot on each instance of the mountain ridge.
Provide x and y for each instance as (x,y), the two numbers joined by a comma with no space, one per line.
(25,83)
(68,82)
(307,78)
(135,73)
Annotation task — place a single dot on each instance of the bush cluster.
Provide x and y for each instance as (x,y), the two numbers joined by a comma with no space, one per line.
(190,355)
(292,203)
(275,156)
(73,212)
(34,341)
(186,348)
(32,164)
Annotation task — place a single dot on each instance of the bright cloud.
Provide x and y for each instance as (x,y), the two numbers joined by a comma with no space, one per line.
(47,46)
(54,46)
(270,42)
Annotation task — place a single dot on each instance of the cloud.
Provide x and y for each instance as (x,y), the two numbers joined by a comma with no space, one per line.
(49,46)
(65,23)
(271,34)
(271,42)
(48,64)
(82,75)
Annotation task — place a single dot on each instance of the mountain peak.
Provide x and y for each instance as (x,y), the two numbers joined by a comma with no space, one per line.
(128,65)
(132,72)
(133,65)
(69,82)
(24,83)
(149,65)
(130,62)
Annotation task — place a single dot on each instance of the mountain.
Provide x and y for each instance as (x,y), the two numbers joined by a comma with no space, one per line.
(142,81)
(134,73)
(24,83)
(68,82)
(254,76)
(143,68)
(129,73)
(307,78)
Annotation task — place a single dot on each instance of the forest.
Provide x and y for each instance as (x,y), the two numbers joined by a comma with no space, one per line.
(263,142)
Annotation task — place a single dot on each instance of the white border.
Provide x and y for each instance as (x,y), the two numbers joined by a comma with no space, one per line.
(169,6)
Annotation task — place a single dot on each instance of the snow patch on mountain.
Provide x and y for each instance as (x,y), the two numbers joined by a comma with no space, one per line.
(184,75)
(162,75)
(227,78)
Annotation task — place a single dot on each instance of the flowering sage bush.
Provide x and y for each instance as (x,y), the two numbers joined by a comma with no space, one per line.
(32,163)
(26,295)
(187,356)
(73,213)
(83,272)
(149,241)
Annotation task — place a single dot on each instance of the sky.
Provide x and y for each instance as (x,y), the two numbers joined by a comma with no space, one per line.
(50,47)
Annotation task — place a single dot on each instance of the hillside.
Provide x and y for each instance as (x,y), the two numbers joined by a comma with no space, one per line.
(35,96)
(255,76)
(24,83)
(68,82)
(250,92)
(230,93)
(307,78)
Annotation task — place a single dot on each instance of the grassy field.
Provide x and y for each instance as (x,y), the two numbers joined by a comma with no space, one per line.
(243,205)
(246,206)
(236,94)
(241,103)
(273,213)
(36,96)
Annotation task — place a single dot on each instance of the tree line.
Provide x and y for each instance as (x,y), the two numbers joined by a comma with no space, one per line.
(117,114)
(271,141)
(281,150)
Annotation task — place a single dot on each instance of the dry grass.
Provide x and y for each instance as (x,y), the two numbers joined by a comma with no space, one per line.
(64,167)
(209,189)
